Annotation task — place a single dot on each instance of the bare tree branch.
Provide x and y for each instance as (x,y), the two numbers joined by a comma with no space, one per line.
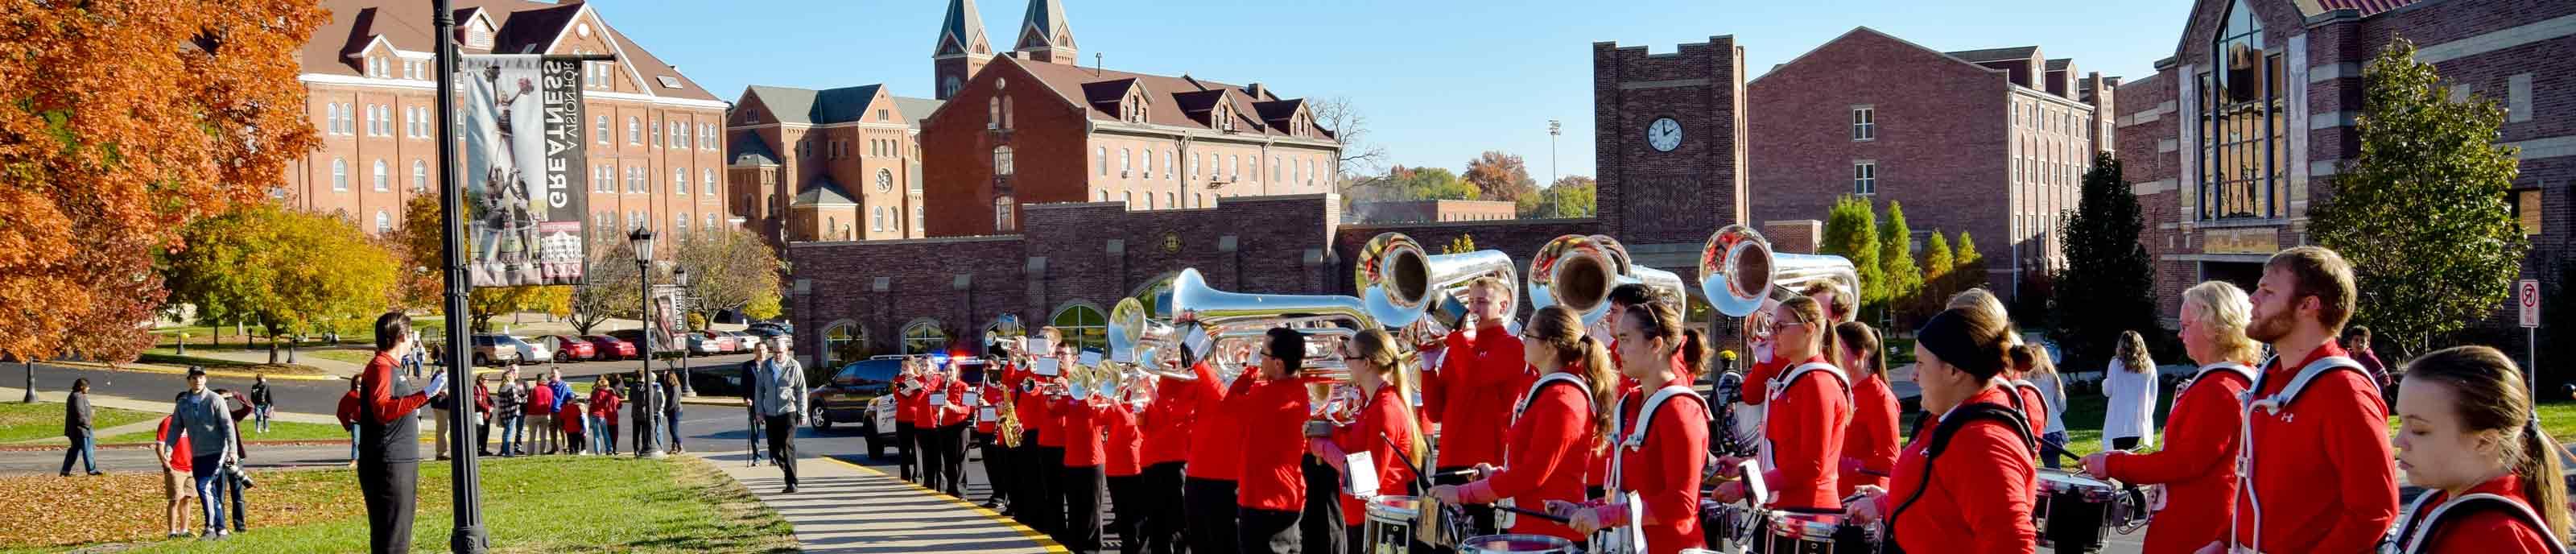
(1359,157)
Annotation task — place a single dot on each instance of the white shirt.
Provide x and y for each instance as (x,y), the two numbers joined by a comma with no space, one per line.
(2133,404)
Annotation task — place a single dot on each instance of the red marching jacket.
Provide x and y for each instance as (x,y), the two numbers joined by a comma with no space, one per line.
(1476,382)
(1870,443)
(1083,443)
(2488,531)
(2332,443)
(1805,426)
(2197,465)
(1381,429)
(1977,498)
(1216,442)
(1664,470)
(1550,443)
(1118,450)
(1167,422)
(952,409)
(1273,442)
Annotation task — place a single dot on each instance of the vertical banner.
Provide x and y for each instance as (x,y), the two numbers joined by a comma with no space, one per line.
(666,320)
(524,169)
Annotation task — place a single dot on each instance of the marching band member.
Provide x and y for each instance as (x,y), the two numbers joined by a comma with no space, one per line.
(907,390)
(1166,424)
(1622,300)
(948,418)
(1124,473)
(1810,408)
(1838,307)
(1481,374)
(1386,427)
(1870,442)
(1215,469)
(1081,481)
(2039,376)
(2197,463)
(1964,484)
(1663,435)
(1554,431)
(2026,395)
(1029,499)
(990,396)
(1272,407)
(2471,437)
(1038,414)
(2312,431)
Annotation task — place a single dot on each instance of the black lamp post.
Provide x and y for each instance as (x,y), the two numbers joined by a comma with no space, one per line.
(681,276)
(647,412)
(467,488)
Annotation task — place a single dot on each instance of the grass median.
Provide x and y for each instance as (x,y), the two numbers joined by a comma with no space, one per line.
(277,431)
(43,420)
(540,504)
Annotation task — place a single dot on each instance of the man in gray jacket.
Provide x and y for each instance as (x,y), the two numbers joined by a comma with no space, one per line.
(778,394)
(209,423)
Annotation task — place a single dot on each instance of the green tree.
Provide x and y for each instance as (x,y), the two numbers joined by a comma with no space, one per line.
(1967,267)
(1896,257)
(1570,197)
(1851,231)
(2421,211)
(1937,263)
(265,263)
(2107,286)
(728,269)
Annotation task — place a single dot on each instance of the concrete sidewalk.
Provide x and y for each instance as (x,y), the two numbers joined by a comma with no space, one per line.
(840,507)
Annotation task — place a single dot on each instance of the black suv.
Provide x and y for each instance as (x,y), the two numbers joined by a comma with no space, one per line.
(850,396)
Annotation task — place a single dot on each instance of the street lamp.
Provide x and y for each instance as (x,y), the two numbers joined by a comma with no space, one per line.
(647,411)
(681,276)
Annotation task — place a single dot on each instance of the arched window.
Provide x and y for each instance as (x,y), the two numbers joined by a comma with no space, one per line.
(1170,199)
(419,175)
(831,226)
(339,174)
(2241,114)
(1124,164)
(1001,161)
(924,336)
(380,177)
(681,223)
(949,86)
(1006,112)
(844,342)
(710,190)
(384,222)
(634,130)
(1083,326)
(993,114)
(1149,201)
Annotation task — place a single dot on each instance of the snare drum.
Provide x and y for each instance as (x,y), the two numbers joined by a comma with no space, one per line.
(2073,511)
(1390,525)
(1812,533)
(1515,544)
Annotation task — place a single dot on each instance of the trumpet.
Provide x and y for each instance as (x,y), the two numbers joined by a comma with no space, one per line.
(1738,271)
(1400,283)
(1578,271)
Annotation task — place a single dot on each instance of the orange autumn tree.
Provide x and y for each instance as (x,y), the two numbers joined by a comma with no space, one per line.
(121,121)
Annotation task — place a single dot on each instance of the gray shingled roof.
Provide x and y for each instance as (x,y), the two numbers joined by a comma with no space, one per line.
(813,107)
(2059,63)
(748,150)
(824,192)
(1992,54)
(916,109)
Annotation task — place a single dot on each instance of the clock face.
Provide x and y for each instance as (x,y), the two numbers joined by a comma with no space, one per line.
(1664,134)
(885,180)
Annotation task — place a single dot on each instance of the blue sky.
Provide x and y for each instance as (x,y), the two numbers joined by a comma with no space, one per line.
(1439,80)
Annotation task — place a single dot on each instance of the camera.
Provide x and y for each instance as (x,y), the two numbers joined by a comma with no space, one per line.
(233,470)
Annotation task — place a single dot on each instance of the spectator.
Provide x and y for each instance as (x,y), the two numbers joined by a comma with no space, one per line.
(210,434)
(389,460)
(76,426)
(778,394)
(175,456)
(671,408)
(510,403)
(261,401)
(563,394)
(483,414)
(230,484)
(574,427)
(441,406)
(2356,339)
(2129,421)
(348,413)
(603,414)
(541,417)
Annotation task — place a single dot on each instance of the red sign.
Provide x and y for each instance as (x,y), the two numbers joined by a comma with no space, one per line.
(2529,299)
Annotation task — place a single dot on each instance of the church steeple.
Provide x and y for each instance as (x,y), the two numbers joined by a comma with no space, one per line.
(962,48)
(1044,35)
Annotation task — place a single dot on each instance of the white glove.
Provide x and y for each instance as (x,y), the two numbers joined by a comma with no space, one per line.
(437,384)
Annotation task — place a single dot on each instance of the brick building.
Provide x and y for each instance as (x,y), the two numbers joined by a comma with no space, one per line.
(1428,211)
(1990,142)
(370,84)
(837,164)
(1066,257)
(2226,162)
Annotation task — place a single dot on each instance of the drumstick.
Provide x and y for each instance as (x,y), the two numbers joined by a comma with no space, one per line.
(1453,474)
(1538,514)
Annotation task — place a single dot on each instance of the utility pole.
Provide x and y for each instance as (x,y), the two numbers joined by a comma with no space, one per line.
(468,537)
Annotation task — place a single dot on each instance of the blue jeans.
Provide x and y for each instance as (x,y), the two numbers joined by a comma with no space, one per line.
(597,432)
(353,441)
(510,434)
(207,474)
(259,415)
(2052,445)
(671,422)
(85,448)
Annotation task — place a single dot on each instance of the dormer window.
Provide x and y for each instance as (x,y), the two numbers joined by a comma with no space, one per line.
(1135,107)
(478,36)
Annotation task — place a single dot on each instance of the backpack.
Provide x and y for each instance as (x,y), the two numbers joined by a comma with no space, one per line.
(1950,425)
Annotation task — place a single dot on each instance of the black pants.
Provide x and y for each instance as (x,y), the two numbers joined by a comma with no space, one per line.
(483,435)
(1319,527)
(903,439)
(1046,470)
(1358,535)
(1211,506)
(996,467)
(1159,489)
(391,491)
(1028,489)
(934,457)
(1082,487)
(2124,443)
(782,443)
(953,441)
(1480,521)
(612,438)
(1267,532)
(1131,513)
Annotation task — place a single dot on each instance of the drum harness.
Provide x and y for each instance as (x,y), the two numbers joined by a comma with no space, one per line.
(1958,418)
(1635,440)
(2406,533)
(2273,404)
(1503,516)
(1779,387)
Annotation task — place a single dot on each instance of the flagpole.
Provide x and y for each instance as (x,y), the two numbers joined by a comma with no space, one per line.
(467,481)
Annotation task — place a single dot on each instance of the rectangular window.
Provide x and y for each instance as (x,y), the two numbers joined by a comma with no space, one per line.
(1865,177)
(2526,210)
(1864,123)
(885,115)
(602,132)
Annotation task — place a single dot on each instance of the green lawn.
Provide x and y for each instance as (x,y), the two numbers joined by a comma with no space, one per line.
(539,504)
(360,357)
(20,421)
(277,431)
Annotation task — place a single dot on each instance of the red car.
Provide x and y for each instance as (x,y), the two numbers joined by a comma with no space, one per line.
(568,348)
(610,348)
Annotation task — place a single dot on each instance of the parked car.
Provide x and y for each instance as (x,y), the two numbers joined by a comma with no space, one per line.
(779,326)
(724,344)
(610,348)
(858,394)
(773,334)
(489,350)
(742,341)
(567,348)
(700,344)
(529,352)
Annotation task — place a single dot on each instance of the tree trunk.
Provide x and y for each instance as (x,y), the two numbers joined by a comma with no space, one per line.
(272,345)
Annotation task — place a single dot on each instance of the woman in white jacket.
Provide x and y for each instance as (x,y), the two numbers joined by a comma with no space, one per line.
(2130,422)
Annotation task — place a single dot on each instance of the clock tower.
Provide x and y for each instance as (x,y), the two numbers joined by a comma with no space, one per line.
(1669,141)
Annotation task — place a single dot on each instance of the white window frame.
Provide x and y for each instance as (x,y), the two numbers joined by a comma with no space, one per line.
(340,174)
(1865,177)
(1864,123)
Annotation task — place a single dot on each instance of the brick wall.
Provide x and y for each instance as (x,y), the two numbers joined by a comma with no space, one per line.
(1049,155)
(1647,196)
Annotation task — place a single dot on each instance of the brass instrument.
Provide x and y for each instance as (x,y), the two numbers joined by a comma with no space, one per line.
(1578,271)
(1238,320)
(1008,429)
(1738,271)
(1400,283)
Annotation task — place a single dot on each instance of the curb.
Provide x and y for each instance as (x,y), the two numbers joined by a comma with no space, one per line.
(169,370)
(1044,542)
